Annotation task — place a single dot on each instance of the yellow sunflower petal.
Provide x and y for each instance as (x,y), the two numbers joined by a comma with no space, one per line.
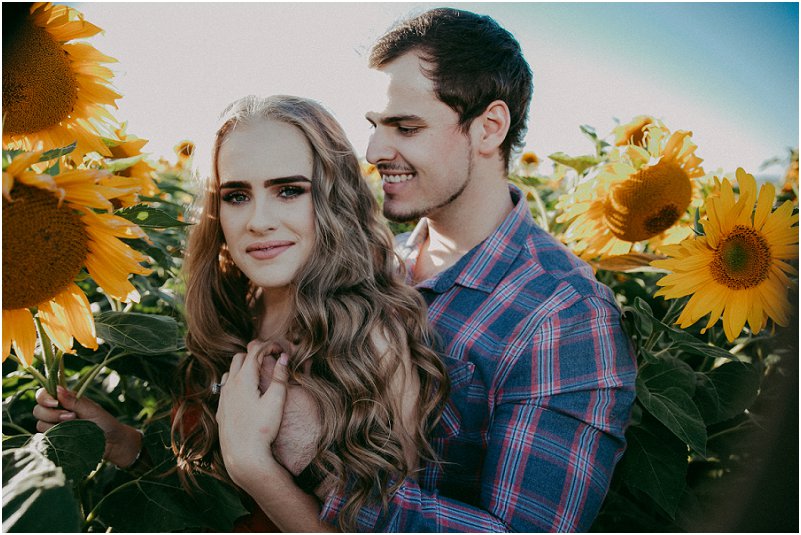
(735,315)
(19,329)
(77,29)
(756,316)
(726,196)
(78,315)
(717,302)
(54,321)
(775,301)
(23,161)
(767,194)
(747,185)
(41,181)
(8,183)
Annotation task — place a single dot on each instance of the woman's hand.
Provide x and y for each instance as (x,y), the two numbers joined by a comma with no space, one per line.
(123,442)
(248,420)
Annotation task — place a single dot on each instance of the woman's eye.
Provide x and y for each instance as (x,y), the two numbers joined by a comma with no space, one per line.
(235,197)
(290,192)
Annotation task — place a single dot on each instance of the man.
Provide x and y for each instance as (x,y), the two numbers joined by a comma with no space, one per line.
(542,375)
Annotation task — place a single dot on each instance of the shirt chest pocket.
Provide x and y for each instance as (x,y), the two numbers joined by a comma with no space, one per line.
(466,412)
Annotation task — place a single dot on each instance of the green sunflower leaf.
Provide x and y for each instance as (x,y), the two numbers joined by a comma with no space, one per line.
(76,446)
(655,463)
(579,163)
(682,339)
(143,334)
(57,153)
(121,164)
(148,217)
(727,391)
(162,505)
(36,496)
(9,155)
(674,407)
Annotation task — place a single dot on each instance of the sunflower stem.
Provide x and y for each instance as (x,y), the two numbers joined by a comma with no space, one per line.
(30,369)
(62,374)
(675,308)
(51,358)
(15,427)
(116,304)
(653,338)
(86,380)
(37,375)
(543,213)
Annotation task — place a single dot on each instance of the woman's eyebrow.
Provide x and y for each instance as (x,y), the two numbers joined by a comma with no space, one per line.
(285,180)
(241,184)
(231,184)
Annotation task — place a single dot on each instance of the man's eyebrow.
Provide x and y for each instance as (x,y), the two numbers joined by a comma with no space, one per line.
(240,184)
(395,119)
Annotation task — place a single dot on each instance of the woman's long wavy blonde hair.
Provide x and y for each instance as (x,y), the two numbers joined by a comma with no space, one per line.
(350,289)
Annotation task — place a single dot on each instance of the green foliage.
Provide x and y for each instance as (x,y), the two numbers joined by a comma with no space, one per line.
(36,495)
(57,481)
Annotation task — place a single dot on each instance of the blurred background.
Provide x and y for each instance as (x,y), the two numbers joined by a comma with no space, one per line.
(726,71)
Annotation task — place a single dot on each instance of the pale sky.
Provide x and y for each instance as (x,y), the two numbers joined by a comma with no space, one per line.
(726,71)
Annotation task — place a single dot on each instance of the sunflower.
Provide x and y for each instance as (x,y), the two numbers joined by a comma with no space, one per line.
(633,132)
(790,187)
(528,163)
(51,231)
(184,150)
(739,268)
(54,93)
(139,174)
(639,195)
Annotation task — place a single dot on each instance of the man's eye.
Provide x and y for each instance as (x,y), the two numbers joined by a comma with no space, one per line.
(235,197)
(407,130)
(290,192)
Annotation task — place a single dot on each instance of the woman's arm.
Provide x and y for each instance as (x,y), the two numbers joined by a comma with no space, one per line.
(123,442)
(248,425)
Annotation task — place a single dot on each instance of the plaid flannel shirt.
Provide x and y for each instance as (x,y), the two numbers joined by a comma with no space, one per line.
(542,384)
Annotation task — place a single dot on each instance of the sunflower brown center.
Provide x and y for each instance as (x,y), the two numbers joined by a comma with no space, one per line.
(742,259)
(39,87)
(634,134)
(649,202)
(44,247)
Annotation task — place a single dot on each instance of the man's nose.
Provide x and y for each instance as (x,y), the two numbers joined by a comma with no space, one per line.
(379,148)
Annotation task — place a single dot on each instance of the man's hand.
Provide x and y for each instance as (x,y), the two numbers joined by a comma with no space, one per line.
(299,434)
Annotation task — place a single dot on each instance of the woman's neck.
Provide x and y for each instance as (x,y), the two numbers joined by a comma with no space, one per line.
(278,306)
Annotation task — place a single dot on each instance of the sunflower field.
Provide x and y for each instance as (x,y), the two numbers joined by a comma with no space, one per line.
(704,266)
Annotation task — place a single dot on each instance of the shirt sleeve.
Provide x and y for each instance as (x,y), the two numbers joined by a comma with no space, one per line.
(561,401)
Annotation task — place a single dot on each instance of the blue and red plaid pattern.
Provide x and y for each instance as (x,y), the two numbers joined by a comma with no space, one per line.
(542,380)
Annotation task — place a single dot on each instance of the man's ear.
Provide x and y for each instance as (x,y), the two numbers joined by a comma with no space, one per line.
(492,127)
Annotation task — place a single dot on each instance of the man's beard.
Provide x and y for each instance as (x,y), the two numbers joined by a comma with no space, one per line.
(414,215)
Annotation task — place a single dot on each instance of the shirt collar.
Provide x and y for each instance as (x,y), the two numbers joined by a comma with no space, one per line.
(484,266)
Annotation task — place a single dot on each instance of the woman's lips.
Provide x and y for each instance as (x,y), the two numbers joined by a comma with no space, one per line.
(268,250)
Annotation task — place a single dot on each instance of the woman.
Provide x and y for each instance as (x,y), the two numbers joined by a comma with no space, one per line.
(289,253)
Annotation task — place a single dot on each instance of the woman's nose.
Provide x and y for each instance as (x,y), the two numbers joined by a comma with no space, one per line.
(262,219)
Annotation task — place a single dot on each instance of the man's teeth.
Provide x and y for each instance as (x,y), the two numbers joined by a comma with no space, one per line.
(392,179)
